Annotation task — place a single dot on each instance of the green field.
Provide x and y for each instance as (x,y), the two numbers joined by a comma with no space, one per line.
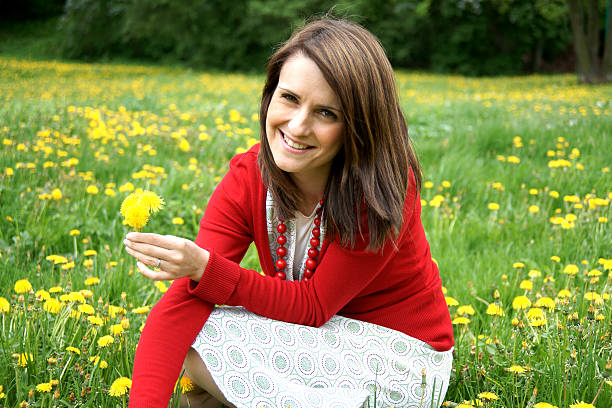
(516,206)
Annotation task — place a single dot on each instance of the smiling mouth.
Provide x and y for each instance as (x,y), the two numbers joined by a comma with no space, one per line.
(293,144)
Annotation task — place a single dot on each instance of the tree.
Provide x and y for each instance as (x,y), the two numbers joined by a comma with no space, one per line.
(585,20)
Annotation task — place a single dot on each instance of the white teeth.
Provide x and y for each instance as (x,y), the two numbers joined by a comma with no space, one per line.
(293,144)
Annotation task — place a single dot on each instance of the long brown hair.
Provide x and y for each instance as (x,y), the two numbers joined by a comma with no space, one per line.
(372,167)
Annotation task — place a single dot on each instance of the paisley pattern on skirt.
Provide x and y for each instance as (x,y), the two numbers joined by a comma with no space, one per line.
(259,362)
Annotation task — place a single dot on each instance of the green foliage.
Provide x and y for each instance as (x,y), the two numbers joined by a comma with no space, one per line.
(469,37)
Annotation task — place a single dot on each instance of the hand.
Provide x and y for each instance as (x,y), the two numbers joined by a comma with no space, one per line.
(172,257)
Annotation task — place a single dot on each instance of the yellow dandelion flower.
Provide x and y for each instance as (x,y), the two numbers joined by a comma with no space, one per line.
(56,259)
(465,309)
(44,387)
(178,221)
(95,320)
(555,258)
(24,359)
(92,280)
(68,266)
(185,384)
(488,396)
(105,340)
(126,187)
(96,359)
(461,320)
(56,194)
(450,301)
(141,310)
(545,302)
(91,189)
(493,206)
(87,309)
(161,286)
(90,252)
(526,285)
(516,369)
(521,302)
(495,310)
(152,200)
(74,232)
(73,349)
(23,286)
(533,209)
(42,294)
(518,265)
(544,405)
(536,317)
(534,273)
(113,311)
(116,329)
(571,269)
(120,387)
(52,305)
(4,305)
(428,184)
(593,297)
(582,404)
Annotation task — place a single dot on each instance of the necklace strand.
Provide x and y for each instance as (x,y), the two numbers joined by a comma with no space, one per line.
(313,251)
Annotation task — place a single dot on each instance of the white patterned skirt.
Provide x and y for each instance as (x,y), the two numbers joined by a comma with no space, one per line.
(259,362)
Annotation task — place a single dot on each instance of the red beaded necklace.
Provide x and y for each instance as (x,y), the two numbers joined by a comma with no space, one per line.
(313,251)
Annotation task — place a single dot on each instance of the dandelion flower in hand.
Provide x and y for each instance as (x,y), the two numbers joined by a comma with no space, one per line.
(138,206)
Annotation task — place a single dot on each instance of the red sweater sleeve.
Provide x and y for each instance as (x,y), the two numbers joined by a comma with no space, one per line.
(177,318)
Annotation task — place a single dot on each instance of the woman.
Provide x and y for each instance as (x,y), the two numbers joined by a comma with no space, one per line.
(351,307)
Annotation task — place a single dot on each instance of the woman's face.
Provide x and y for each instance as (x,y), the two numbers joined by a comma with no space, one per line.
(304,125)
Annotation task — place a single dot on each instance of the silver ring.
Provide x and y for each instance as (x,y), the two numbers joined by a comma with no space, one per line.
(158,264)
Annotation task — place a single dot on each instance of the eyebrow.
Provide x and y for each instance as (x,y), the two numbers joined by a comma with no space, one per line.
(320,106)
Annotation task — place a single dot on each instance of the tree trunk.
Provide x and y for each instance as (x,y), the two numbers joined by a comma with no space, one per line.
(606,63)
(593,36)
(580,41)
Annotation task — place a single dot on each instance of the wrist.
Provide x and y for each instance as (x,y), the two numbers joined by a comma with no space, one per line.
(204,257)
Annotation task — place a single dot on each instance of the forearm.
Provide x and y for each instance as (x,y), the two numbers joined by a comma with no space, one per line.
(170,329)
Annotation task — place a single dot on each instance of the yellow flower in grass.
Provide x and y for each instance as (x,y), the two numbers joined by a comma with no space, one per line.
(4,305)
(488,396)
(141,310)
(120,387)
(495,310)
(593,297)
(56,259)
(25,358)
(161,286)
(42,294)
(56,194)
(105,340)
(52,305)
(74,232)
(582,404)
(96,359)
(185,384)
(544,405)
(113,311)
(87,309)
(465,309)
(536,317)
(521,302)
(545,302)
(137,207)
(450,301)
(90,252)
(526,285)
(178,221)
(68,266)
(23,286)
(461,320)
(43,387)
(91,189)
(493,206)
(56,289)
(73,349)
(516,369)
(571,269)
(95,320)
(116,329)
(92,280)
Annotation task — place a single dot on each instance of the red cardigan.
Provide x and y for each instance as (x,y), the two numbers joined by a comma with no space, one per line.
(398,288)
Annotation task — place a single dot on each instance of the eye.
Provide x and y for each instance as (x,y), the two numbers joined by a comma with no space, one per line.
(289,97)
(328,114)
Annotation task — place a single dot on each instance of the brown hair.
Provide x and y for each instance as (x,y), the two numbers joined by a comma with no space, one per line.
(372,167)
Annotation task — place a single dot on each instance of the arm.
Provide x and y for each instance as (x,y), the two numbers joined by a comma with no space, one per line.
(176,319)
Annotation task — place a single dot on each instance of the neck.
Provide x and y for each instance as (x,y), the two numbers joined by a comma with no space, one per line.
(311,190)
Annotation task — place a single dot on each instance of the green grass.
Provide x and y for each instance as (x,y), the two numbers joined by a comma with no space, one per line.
(120,119)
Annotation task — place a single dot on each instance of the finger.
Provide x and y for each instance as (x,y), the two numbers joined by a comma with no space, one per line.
(149,250)
(164,241)
(147,260)
(153,275)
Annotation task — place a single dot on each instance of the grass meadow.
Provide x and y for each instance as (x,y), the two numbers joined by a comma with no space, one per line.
(516,205)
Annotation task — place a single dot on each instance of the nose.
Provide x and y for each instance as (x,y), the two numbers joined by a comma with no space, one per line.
(299,124)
